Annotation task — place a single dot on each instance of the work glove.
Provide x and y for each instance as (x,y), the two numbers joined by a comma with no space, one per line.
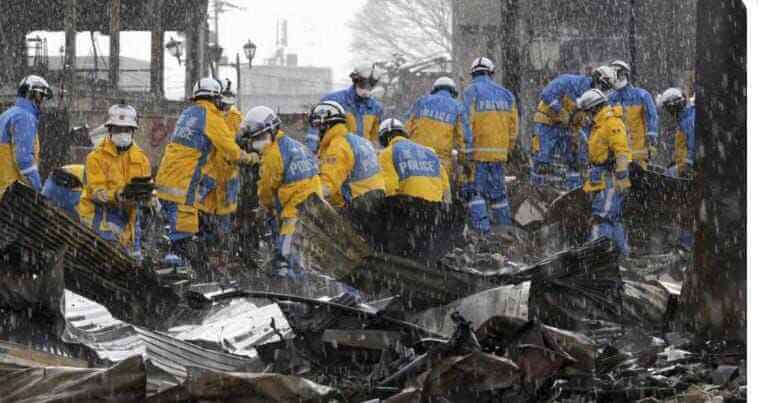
(249,158)
(564,118)
(139,189)
(652,142)
(622,182)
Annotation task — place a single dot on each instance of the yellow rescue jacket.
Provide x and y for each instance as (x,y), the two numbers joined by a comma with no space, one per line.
(494,120)
(608,150)
(410,169)
(288,176)
(349,166)
(106,174)
(440,122)
(640,118)
(200,130)
(221,176)
(19,145)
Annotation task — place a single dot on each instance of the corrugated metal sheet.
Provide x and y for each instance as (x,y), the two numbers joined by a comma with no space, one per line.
(238,327)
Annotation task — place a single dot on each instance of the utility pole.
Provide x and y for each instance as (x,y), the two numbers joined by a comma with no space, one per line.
(69,25)
(115,43)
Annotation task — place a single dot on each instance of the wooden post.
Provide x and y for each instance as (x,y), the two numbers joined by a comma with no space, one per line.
(714,294)
(69,24)
(156,50)
(115,42)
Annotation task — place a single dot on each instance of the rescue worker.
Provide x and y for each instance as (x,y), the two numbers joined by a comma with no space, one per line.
(19,143)
(107,205)
(200,130)
(349,168)
(557,145)
(288,176)
(63,187)
(220,184)
(440,121)
(609,157)
(364,112)
(417,189)
(675,103)
(493,115)
(640,114)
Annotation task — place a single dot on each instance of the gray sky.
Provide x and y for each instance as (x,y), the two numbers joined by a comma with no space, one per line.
(318,33)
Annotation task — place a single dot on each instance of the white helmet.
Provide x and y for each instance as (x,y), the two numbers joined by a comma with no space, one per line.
(326,114)
(207,87)
(365,72)
(260,120)
(621,66)
(445,83)
(388,127)
(482,64)
(34,83)
(122,115)
(591,99)
(604,78)
(228,96)
(672,98)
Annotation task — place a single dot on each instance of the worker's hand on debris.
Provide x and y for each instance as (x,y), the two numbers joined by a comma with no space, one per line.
(652,151)
(249,158)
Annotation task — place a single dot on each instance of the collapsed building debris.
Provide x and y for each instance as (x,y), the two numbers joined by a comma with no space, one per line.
(92,267)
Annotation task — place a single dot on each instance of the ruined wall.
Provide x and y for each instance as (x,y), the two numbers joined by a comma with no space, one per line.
(532,41)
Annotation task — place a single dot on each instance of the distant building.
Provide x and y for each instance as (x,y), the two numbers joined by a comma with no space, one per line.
(134,74)
(284,88)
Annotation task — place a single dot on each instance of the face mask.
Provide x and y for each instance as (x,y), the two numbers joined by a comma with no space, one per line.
(97,139)
(122,140)
(363,92)
(259,145)
(620,83)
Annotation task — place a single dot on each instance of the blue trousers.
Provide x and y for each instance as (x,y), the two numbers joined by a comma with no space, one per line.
(607,214)
(487,188)
(555,149)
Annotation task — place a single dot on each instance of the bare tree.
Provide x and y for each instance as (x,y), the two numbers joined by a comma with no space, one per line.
(412,29)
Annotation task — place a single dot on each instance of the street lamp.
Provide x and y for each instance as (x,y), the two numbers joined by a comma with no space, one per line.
(176,49)
(249,49)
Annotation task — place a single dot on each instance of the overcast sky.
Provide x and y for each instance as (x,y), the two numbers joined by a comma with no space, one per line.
(318,33)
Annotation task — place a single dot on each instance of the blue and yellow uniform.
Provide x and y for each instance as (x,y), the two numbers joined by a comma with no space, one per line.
(363,116)
(556,138)
(609,157)
(220,184)
(349,166)
(106,174)
(493,115)
(19,145)
(410,169)
(640,119)
(684,141)
(440,122)
(66,195)
(288,176)
(200,130)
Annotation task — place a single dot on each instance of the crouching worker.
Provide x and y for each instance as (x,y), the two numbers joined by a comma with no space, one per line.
(350,176)
(288,176)
(116,181)
(609,157)
(417,189)
(63,187)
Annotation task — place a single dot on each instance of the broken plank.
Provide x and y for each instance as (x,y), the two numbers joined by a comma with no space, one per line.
(18,354)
